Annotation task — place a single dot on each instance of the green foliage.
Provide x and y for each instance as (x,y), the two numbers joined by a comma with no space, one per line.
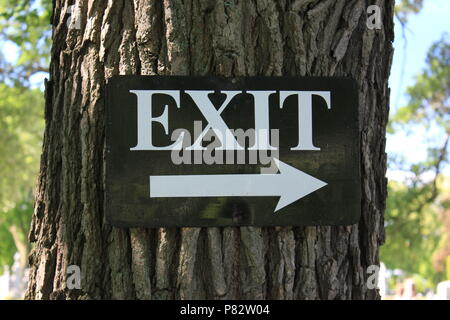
(25,23)
(405,8)
(412,230)
(21,126)
(447,267)
(25,31)
(7,248)
(414,224)
(429,97)
(15,221)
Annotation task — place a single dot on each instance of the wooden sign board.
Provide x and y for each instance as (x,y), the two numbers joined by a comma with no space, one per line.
(211,151)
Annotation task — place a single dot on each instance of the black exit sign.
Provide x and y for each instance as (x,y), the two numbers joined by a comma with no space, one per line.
(211,151)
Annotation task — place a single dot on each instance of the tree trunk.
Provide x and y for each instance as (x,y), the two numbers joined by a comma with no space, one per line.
(202,37)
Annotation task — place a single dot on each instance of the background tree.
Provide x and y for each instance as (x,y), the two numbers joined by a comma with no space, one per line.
(24,23)
(20,142)
(228,38)
(417,211)
(22,28)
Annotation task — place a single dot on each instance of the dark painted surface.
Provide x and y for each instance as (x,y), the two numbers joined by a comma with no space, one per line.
(335,131)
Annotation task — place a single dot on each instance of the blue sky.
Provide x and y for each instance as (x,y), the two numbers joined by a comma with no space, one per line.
(421,32)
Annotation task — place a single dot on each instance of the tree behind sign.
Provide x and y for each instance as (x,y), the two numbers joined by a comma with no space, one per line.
(229,38)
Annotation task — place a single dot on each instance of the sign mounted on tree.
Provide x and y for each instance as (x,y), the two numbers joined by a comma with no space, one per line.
(211,151)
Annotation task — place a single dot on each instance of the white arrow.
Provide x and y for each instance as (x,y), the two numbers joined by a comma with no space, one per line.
(290,185)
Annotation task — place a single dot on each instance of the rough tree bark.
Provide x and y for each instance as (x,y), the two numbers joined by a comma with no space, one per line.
(202,37)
